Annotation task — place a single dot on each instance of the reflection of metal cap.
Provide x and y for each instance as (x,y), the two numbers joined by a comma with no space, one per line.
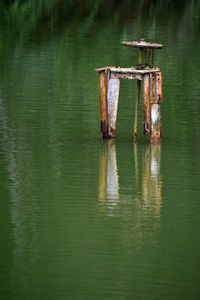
(142,44)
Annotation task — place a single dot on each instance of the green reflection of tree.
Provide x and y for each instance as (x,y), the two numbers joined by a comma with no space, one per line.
(30,15)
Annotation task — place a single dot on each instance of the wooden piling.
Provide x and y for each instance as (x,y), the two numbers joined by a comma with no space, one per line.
(155,122)
(103,102)
(156,100)
(136,110)
(109,85)
(112,102)
(146,105)
(137,99)
(140,56)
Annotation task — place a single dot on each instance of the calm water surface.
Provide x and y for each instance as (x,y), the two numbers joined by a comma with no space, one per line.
(82,218)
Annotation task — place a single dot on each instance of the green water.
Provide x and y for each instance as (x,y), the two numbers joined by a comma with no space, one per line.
(86,219)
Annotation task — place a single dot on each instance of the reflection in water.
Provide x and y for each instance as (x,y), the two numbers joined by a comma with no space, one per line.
(151,179)
(112,176)
(108,176)
(23,206)
(147,197)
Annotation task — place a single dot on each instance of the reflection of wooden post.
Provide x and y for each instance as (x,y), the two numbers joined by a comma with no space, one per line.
(156,99)
(108,176)
(151,179)
(112,173)
(146,176)
(136,165)
(156,181)
(103,172)
(113,95)
(103,102)
(146,105)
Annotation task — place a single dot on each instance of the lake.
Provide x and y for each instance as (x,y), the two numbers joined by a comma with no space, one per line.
(82,218)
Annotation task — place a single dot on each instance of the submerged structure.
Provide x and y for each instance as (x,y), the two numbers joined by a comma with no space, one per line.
(145,72)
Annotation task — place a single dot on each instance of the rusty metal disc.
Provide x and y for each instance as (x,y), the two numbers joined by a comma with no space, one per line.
(142,44)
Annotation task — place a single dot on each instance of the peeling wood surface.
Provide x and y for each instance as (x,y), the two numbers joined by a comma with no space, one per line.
(146,105)
(125,76)
(159,87)
(112,98)
(134,70)
(128,73)
(155,122)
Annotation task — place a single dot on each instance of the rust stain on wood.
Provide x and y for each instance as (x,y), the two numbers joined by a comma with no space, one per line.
(159,87)
(125,76)
(156,87)
(103,102)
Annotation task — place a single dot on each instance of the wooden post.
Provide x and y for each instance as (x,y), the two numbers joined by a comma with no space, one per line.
(109,85)
(146,105)
(155,122)
(140,56)
(156,99)
(136,110)
(137,99)
(112,102)
(103,102)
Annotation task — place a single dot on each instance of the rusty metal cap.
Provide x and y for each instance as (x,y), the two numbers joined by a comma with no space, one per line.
(142,44)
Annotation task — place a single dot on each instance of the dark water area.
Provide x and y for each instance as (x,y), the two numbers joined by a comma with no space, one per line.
(82,218)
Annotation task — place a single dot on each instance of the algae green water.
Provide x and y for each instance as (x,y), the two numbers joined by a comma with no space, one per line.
(81,218)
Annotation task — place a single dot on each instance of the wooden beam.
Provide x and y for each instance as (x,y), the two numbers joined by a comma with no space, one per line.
(112,96)
(146,105)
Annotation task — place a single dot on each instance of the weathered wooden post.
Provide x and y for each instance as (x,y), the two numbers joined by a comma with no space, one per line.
(156,100)
(137,99)
(109,85)
(112,102)
(103,74)
(109,94)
